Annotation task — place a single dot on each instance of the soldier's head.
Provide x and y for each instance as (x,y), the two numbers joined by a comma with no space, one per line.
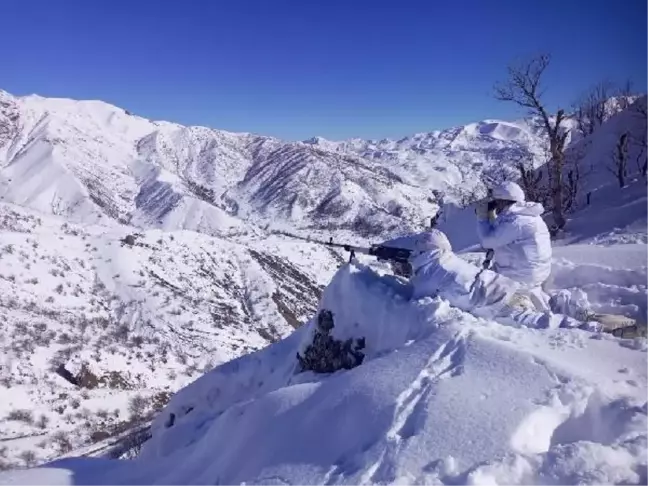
(432,239)
(504,195)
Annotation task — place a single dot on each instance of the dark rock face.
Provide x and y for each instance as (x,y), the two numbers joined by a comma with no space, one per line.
(327,354)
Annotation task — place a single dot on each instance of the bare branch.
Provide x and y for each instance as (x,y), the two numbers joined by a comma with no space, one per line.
(522,86)
(594,106)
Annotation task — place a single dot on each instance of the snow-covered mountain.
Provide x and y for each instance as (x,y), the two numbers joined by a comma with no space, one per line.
(90,161)
(135,255)
(130,316)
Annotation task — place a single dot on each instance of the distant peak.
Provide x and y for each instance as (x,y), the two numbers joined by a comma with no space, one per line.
(316,141)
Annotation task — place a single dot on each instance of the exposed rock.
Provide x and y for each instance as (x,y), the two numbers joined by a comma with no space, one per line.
(327,354)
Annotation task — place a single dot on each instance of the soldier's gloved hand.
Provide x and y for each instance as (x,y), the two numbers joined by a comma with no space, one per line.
(492,210)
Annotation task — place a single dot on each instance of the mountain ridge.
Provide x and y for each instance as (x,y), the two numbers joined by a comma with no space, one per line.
(91,150)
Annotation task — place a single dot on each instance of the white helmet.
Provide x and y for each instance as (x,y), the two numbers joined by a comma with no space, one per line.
(508,191)
(431,240)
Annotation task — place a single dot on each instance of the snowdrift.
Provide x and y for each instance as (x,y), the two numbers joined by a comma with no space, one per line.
(441,397)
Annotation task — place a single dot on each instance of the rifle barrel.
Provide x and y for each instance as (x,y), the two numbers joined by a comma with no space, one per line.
(350,248)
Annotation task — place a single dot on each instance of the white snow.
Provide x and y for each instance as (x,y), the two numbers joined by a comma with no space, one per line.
(77,295)
(442,397)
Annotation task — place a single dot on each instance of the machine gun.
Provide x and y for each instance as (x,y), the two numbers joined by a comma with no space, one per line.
(387,253)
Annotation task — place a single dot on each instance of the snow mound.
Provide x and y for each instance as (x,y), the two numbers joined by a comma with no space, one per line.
(441,397)
(612,279)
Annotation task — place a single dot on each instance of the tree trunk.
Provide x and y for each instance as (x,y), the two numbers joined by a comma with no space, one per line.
(622,156)
(557,186)
(621,177)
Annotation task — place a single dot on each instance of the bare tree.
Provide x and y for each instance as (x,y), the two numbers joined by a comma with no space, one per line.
(625,95)
(575,174)
(595,105)
(523,88)
(531,180)
(640,109)
(591,108)
(620,159)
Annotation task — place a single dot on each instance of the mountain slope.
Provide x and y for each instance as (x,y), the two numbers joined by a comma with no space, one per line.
(89,161)
(440,397)
(142,313)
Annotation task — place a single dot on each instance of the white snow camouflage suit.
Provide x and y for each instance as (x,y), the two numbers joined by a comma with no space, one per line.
(521,242)
(437,270)
(522,245)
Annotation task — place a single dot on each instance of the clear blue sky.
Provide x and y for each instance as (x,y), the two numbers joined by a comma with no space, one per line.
(294,69)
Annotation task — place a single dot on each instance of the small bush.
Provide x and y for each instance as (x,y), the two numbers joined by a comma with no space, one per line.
(28,458)
(121,333)
(137,406)
(59,289)
(99,435)
(62,441)
(137,341)
(20,415)
(40,327)
(42,422)
(64,338)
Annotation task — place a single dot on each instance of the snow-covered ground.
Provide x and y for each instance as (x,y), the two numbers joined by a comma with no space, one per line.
(146,257)
(442,397)
(141,313)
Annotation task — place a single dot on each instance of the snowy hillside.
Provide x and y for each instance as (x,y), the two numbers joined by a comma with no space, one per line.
(129,315)
(99,275)
(441,397)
